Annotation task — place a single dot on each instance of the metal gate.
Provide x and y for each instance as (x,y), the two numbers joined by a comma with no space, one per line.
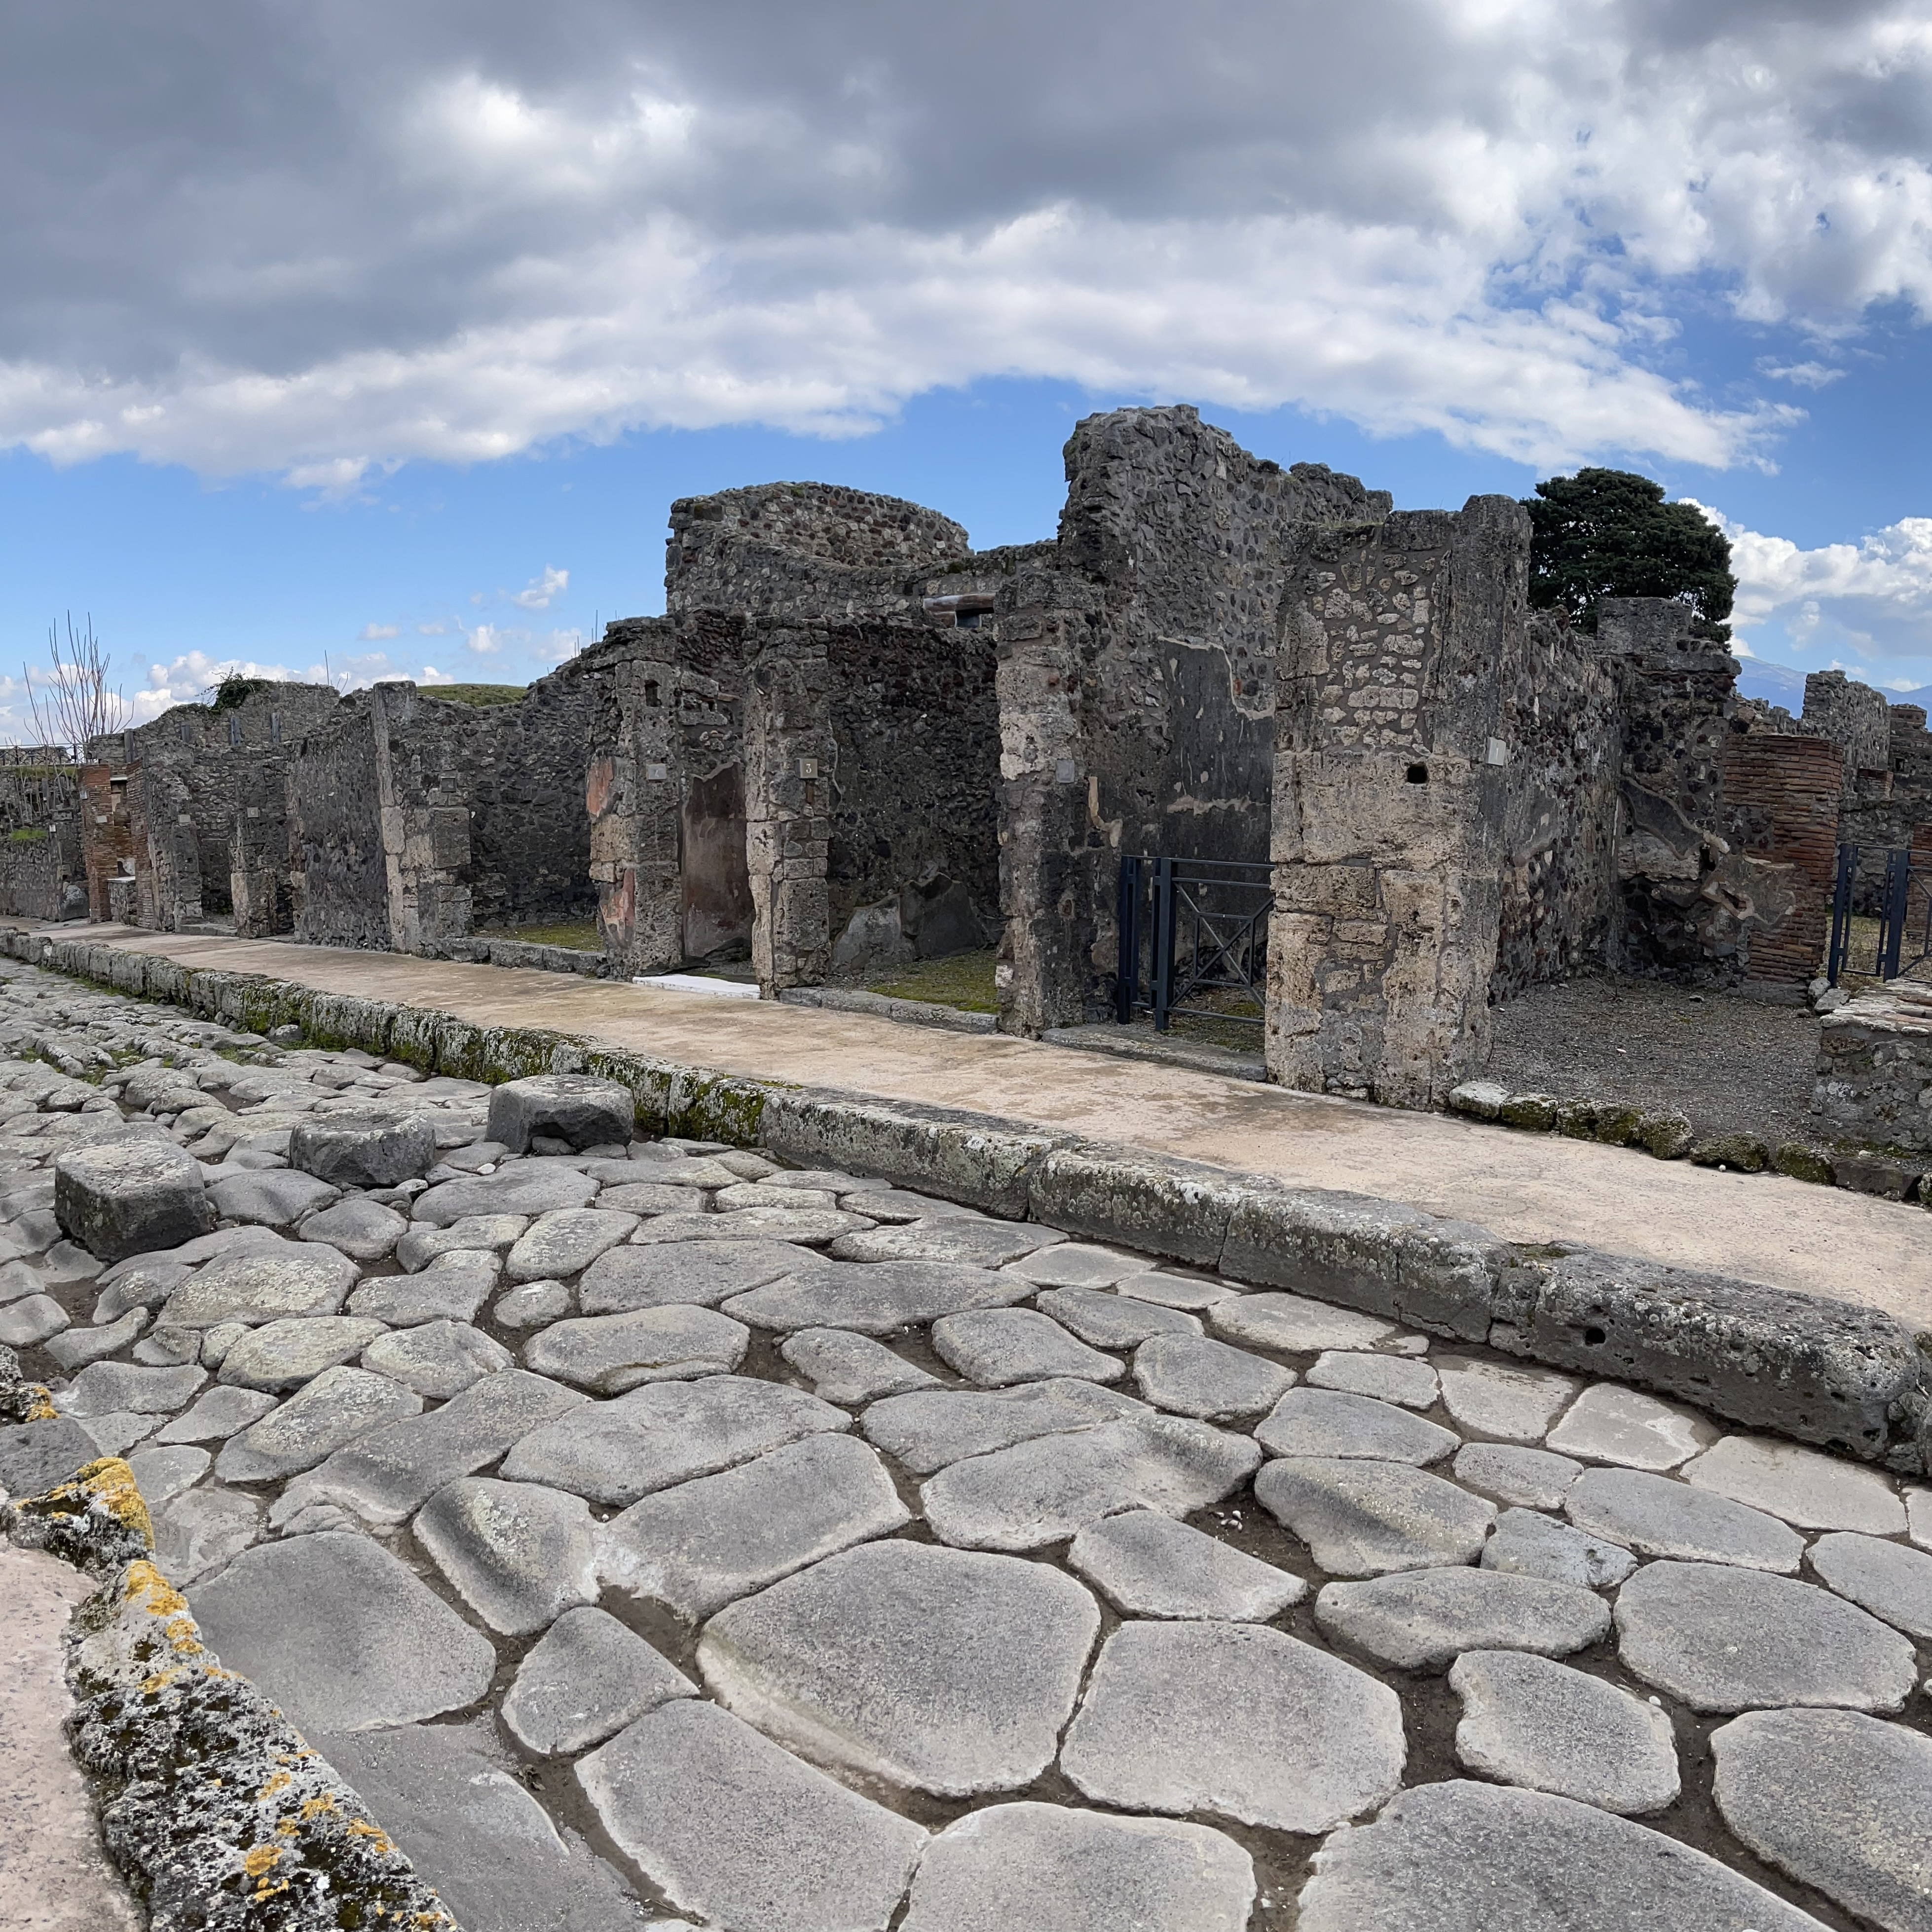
(1193,931)
(1898,940)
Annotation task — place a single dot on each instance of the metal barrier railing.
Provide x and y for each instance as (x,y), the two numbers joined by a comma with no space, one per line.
(1203,925)
(1898,940)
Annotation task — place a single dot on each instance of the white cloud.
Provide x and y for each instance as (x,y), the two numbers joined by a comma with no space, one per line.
(1481,219)
(371,633)
(536,594)
(487,640)
(439,629)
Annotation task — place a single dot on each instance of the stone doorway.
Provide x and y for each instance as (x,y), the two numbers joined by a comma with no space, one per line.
(717,882)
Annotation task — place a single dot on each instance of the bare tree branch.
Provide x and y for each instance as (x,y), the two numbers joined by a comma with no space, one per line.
(76,704)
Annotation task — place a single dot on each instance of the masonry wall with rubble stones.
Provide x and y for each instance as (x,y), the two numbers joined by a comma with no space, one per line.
(339,892)
(1854,717)
(42,873)
(1137,685)
(1883,812)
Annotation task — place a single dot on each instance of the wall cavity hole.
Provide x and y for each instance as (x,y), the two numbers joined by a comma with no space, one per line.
(1417,775)
(1594,1338)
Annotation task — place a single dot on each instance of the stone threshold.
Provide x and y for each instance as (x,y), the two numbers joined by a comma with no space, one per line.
(1832,1373)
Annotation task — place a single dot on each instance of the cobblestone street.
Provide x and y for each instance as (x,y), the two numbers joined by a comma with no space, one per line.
(653,1534)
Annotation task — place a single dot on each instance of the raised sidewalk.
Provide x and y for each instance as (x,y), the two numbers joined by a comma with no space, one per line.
(1529,1188)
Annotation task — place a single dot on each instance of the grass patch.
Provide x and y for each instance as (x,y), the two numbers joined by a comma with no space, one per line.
(961,980)
(481,694)
(580,935)
(27,834)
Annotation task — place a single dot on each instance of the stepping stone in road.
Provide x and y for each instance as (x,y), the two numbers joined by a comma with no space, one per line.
(285,1354)
(341,1634)
(1838,1801)
(1361,1518)
(1148,1565)
(667,1433)
(577,1107)
(1063,1870)
(1886,1579)
(700,1275)
(586,1680)
(735,1831)
(452,1288)
(1814,1492)
(1394,1378)
(1108,1321)
(338,1405)
(1318,1422)
(851,1369)
(130,1197)
(1189,1375)
(1526,1478)
(1424,1619)
(1529,1721)
(1723,1638)
(519,1555)
(875,1300)
(1517,1404)
(1293,1325)
(1609,1423)
(565,1241)
(933,1669)
(1463,1857)
(700,1546)
(1044,1491)
(296,1280)
(1658,1517)
(437,1359)
(363,1229)
(531,1187)
(1528,1544)
(609,1354)
(364,1150)
(989,1244)
(997,1347)
(1235,1719)
(925,1431)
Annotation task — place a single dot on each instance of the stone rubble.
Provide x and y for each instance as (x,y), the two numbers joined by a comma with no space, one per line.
(637,1483)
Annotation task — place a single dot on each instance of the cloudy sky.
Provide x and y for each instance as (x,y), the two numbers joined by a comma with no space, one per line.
(360,339)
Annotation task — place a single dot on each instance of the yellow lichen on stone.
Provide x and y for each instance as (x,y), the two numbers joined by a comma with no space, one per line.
(316,1807)
(159,1681)
(278,1780)
(262,1858)
(360,1828)
(41,1405)
(109,1485)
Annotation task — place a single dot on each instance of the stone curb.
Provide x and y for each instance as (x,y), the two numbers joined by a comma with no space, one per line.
(219,1815)
(884,1006)
(1819,1371)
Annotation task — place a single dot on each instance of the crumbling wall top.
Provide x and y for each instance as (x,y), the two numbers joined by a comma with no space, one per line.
(1854,716)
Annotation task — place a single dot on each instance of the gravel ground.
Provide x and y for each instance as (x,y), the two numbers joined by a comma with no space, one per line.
(1733,1065)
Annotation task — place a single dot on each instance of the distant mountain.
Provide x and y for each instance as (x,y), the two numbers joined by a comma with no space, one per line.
(1779,684)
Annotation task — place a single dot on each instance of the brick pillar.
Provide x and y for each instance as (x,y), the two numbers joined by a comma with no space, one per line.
(1782,796)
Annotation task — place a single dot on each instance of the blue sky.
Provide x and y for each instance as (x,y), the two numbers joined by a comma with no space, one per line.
(393,366)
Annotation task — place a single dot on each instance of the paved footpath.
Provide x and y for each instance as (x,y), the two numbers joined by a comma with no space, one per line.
(1528,1187)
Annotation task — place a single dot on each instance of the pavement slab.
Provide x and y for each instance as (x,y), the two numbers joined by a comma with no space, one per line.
(925,1430)
(521,1555)
(336,1407)
(998,1347)
(1508,1403)
(1148,1565)
(1886,1579)
(1107,1321)
(1361,1518)
(1320,1422)
(1390,1378)
(852,1368)
(1528,1544)
(1425,1619)
(697,1275)
(1803,1487)
(1527,1478)
(437,1359)
(608,1354)
(876,1300)
(1656,1517)
(1213,1381)
(585,1680)
(1610,1423)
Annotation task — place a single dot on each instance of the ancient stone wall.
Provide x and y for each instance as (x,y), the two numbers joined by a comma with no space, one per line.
(1137,685)
(1855,718)
(107,832)
(42,869)
(1886,812)
(339,881)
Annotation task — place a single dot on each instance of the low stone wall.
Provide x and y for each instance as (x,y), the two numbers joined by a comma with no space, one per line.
(1875,1066)
(1823,1372)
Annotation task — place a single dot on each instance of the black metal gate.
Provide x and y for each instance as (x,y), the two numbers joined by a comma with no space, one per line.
(1194,932)
(1898,939)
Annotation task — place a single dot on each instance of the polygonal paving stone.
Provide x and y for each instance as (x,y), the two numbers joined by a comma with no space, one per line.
(875,1300)
(1294,1325)
(273,1199)
(130,1197)
(452,1288)
(667,1433)
(1149,1565)
(452,1799)
(998,1347)
(341,1634)
(756,1194)
(926,1430)
(807,1227)
(1392,1378)
(1609,1423)
(220,1414)
(1529,1721)
(297,1280)
(199,1532)
(1517,1404)
(586,1680)
(1528,1478)
(931,1669)
(162,1473)
(1110,1321)
(391,1470)
(989,1244)
(338,1405)
(27,1322)
(101,1388)
(1463,1857)
(1052,1868)
(473,1233)
(75,1347)
(698,1275)
(1838,1800)
(1235,1719)
(1077,1264)
(609,1354)
(519,1555)
(1813,1491)
(566,1240)
(1723,1638)
(285,1354)
(645,1197)
(737,1832)
(1173,1291)
(1319,1422)
(1189,1375)
(1658,1517)
(535,1305)
(363,1229)
(1363,1518)
(36,1456)
(698,1547)
(115,1434)
(1043,1491)
(437,1359)
(853,1368)
(1527,1544)
(1886,1579)
(529,1187)
(1424,1619)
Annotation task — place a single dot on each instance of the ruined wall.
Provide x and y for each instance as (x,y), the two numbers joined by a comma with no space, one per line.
(1885,812)
(339,883)
(1136,684)
(1393,788)
(43,871)
(1782,792)
(1855,718)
